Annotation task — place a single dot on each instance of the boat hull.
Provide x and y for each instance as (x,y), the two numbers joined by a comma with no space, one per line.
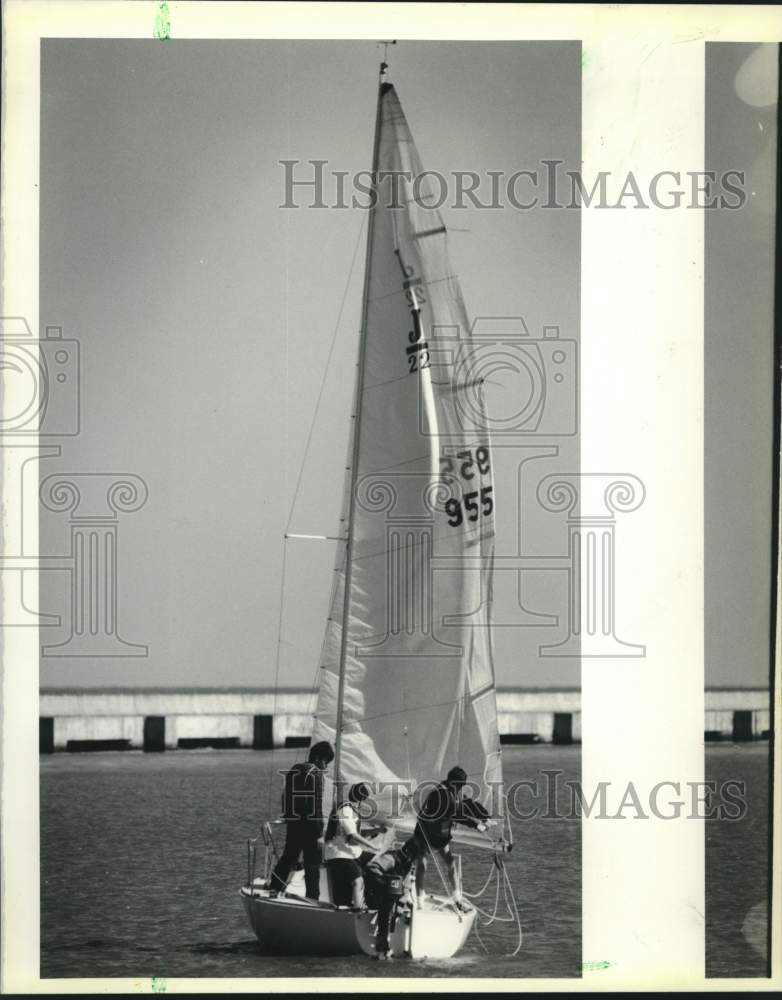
(293,925)
(430,932)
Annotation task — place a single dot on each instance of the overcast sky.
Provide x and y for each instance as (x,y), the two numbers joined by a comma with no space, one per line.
(738,352)
(205,315)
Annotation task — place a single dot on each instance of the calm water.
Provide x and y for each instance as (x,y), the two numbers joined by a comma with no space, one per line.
(143,856)
(736,867)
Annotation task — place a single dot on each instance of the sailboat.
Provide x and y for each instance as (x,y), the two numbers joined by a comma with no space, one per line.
(406,681)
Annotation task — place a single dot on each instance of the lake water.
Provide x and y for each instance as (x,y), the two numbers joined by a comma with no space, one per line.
(737,866)
(143,855)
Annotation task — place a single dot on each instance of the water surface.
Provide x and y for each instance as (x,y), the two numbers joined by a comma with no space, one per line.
(143,856)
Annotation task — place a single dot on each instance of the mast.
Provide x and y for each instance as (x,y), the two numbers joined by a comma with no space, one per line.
(357,426)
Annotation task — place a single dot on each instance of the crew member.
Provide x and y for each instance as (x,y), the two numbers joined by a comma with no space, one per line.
(343,847)
(445,805)
(303,811)
(387,875)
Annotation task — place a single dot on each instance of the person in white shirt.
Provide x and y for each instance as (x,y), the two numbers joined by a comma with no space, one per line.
(344,845)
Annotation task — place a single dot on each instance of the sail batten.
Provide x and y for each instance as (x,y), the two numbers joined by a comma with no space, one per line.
(434,281)
(407,685)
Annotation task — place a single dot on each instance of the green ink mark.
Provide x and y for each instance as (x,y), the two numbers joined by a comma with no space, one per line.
(158,984)
(585,58)
(163,26)
(592,966)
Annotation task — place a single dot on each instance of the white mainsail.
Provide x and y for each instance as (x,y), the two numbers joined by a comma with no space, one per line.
(406,686)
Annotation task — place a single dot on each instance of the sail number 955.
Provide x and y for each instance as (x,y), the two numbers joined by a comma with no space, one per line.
(468,464)
(456,509)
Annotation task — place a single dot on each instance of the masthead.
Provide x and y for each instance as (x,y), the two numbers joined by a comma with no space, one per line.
(384,63)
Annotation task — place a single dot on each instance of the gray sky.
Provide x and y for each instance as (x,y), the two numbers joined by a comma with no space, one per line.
(205,312)
(738,352)
(205,315)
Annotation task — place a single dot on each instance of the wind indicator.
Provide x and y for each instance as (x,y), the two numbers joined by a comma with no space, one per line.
(384,63)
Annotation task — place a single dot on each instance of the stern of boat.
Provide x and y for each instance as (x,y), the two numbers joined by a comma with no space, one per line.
(288,923)
(434,930)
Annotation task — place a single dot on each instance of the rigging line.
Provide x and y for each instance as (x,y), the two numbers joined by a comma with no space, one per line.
(509,894)
(480,939)
(388,381)
(492,917)
(395,465)
(503,881)
(445,881)
(325,372)
(277,655)
(480,892)
(416,708)
(280,620)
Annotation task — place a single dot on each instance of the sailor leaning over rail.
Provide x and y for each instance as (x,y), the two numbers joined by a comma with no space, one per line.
(445,805)
(388,875)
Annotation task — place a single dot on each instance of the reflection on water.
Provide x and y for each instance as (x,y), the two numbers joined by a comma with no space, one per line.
(143,855)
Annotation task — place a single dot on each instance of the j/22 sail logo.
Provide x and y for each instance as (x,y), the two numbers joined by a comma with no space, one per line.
(417,348)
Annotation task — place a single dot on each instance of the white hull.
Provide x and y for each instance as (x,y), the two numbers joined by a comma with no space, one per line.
(293,925)
(436,930)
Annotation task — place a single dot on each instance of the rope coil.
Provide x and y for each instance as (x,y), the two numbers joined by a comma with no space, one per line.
(499,872)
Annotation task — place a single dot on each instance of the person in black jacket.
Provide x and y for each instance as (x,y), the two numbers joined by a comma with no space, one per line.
(303,811)
(384,876)
(445,805)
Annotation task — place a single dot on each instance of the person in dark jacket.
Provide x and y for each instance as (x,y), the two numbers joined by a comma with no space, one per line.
(303,811)
(384,878)
(445,805)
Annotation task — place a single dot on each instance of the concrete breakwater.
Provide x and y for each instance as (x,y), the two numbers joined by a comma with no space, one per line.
(156,719)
